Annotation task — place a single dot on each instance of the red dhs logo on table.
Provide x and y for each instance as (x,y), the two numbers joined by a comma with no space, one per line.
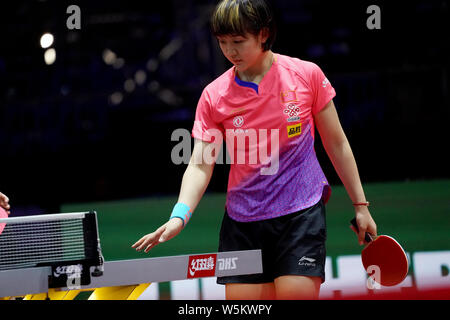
(202,266)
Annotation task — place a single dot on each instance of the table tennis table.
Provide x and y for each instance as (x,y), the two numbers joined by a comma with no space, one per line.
(59,255)
(127,279)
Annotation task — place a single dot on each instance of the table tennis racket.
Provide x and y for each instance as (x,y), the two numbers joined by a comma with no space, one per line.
(388,255)
(3,214)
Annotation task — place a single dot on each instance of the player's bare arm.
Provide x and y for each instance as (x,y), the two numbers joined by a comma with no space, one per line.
(340,153)
(195,181)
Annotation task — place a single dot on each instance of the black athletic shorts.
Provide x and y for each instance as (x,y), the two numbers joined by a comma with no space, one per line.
(292,244)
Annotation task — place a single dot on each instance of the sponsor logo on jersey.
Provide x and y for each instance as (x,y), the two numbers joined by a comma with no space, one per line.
(294,130)
(292,110)
(288,96)
(238,121)
(234,111)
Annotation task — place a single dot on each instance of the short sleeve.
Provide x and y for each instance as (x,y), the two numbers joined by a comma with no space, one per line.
(205,128)
(323,91)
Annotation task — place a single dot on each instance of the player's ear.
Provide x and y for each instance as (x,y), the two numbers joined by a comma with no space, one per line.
(264,35)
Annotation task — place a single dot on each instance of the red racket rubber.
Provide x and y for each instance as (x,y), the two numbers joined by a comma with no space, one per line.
(384,259)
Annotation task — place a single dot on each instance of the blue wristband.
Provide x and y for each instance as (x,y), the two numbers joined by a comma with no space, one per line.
(182,211)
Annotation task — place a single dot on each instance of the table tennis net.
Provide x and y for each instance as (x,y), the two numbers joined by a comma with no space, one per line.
(33,243)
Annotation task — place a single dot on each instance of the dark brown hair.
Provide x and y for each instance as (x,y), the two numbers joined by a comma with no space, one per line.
(238,17)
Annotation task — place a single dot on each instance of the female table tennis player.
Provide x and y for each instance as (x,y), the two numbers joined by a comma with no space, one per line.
(281,212)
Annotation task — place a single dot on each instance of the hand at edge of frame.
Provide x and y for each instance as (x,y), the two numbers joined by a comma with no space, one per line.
(4,203)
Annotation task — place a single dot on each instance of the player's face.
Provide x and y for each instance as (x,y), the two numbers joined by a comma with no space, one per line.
(242,51)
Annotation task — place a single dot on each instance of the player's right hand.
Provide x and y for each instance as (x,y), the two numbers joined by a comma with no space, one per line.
(4,203)
(166,232)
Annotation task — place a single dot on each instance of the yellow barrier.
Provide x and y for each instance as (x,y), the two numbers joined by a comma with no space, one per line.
(132,292)
(54,295)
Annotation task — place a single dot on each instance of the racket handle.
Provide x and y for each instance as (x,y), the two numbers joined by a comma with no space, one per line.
(367,236)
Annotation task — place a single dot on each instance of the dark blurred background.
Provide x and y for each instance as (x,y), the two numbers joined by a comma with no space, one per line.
(96,124)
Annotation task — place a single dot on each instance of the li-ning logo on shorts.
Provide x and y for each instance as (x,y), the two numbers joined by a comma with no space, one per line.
(202,266)
(238,121)
(294,130)
(308,262)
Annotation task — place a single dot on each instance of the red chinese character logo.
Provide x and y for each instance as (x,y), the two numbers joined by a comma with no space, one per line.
(202,266)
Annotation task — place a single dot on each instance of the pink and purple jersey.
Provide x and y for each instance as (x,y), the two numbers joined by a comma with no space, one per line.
(269,133)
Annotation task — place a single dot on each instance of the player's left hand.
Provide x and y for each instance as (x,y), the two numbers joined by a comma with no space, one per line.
(164,233)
